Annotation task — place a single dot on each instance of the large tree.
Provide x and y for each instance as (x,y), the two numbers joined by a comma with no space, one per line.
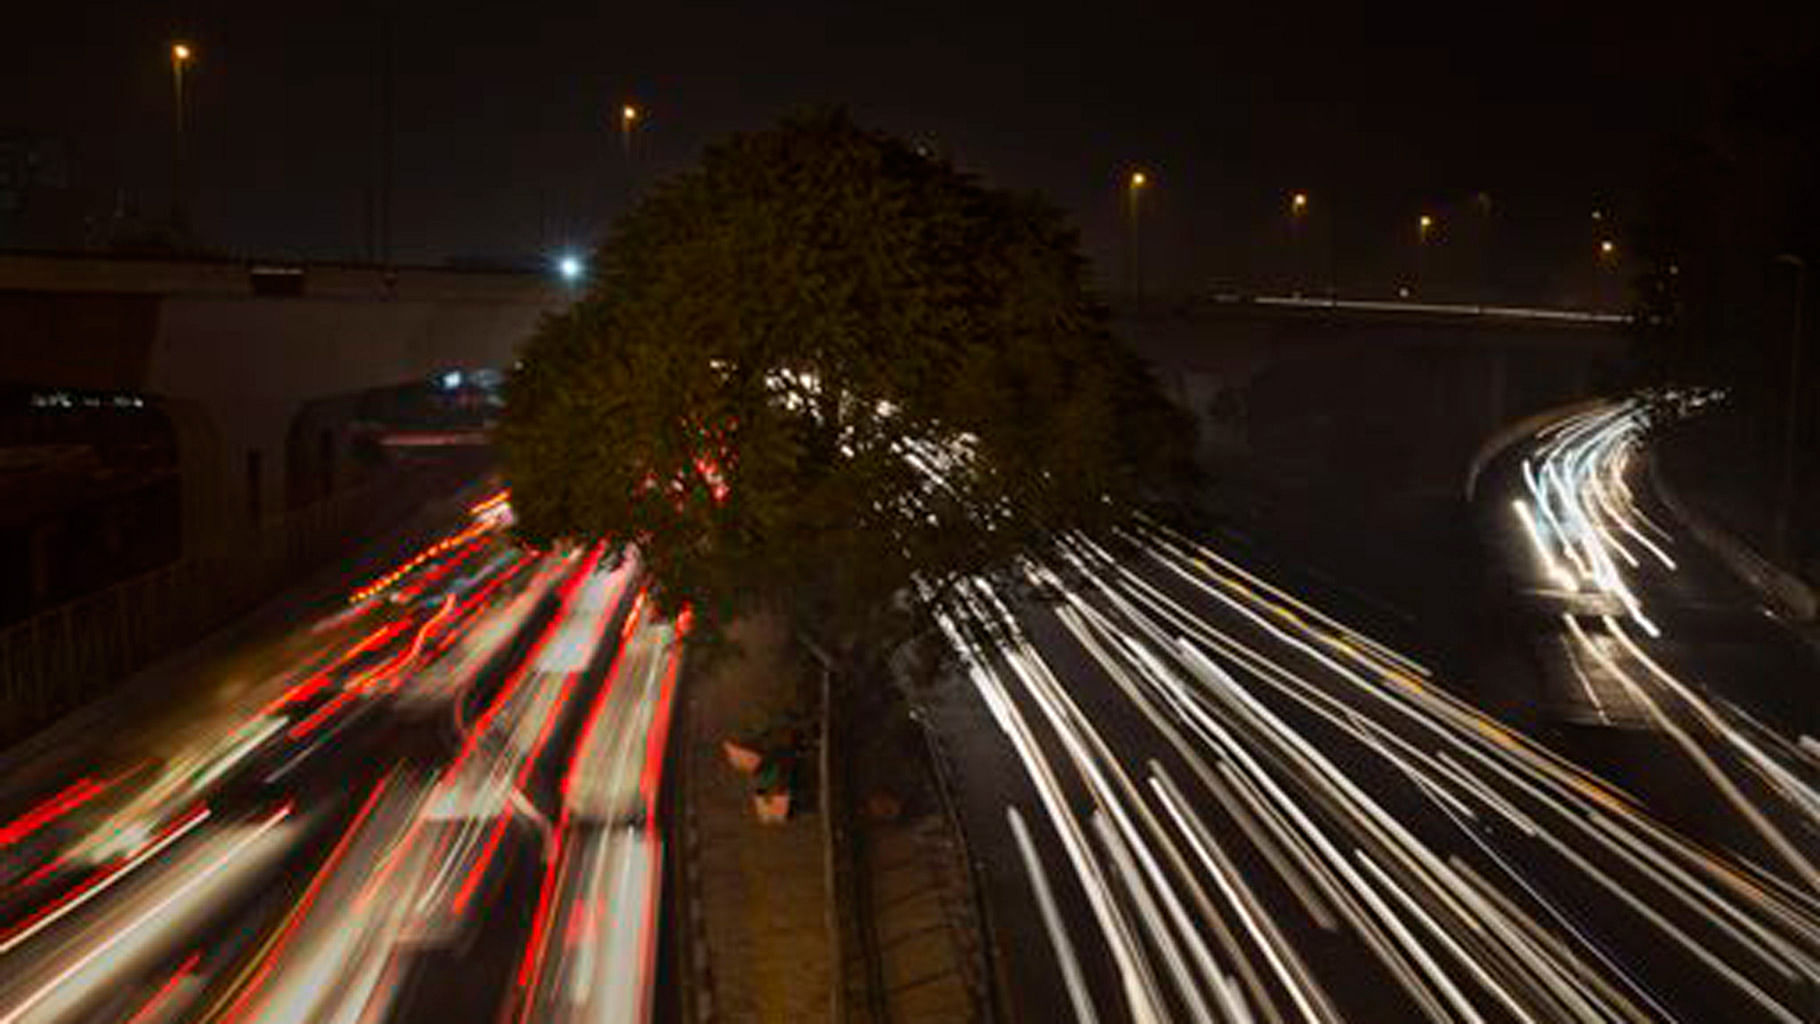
(822,364)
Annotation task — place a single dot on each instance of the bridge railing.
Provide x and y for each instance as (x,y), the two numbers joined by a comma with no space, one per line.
(1583,316)
(65,656)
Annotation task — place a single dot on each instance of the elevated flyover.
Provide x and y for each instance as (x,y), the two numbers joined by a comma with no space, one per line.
(258,364)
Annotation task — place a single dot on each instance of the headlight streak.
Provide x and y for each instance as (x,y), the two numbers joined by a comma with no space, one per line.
(590,953)
(1138,983)
(1293,810)
(306,989)
(1310,1001)
(1451,937)
(1078,999)
(101,882)
(129,818)
(1060,708)
(1584,461)
(1614,887)
(1144,898)
(169,912)
(337,952)
(1704,761)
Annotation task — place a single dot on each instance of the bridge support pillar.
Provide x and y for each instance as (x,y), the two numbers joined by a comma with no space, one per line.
(230,462)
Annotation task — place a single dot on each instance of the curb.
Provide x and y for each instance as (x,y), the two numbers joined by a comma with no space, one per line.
(692,930)
(982,977)
(983,962)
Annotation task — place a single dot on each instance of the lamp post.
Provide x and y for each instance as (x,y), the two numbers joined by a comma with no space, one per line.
(181,55)
(1792,431)
(1608,262)
(628,116)
(1298,211)
(1134,188)
(1425,225)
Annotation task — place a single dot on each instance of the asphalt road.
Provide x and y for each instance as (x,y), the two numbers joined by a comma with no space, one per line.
(1194,797)
(437,804)
(1684,682)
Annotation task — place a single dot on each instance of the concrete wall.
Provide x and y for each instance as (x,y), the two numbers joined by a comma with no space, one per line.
(238,353)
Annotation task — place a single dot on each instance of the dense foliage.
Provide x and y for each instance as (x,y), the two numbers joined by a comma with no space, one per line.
(821,363)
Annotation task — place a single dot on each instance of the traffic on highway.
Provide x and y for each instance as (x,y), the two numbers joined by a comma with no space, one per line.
(1223,804)
(459,767)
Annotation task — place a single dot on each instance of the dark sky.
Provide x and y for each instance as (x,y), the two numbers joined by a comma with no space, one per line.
(506,113)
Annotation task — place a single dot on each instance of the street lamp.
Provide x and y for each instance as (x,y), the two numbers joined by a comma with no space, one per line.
(1792,431)
(628,115)
(1134,188)
(1608,261)
(181,55)
(1298,209)
(570,267)
(1424,227)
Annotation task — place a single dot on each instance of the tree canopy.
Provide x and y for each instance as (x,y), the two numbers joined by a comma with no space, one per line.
(822,363)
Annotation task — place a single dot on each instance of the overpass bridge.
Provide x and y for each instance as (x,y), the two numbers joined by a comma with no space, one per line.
(259,366)
(1311,386)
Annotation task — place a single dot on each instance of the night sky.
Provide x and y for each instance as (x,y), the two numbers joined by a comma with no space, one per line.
(506,131)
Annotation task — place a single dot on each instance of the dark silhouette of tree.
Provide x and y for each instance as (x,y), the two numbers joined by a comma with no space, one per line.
(821,365)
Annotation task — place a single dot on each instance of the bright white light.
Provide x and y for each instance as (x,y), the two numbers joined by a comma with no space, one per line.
(569,267)
(451,380)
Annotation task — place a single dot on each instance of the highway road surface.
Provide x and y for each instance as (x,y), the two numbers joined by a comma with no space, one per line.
(438,803)
(1193,797)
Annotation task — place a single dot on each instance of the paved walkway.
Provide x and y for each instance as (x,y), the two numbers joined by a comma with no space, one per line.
(761,887)
(918,918)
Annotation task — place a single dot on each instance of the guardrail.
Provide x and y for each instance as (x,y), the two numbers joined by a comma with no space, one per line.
(1476,311)
(65,656)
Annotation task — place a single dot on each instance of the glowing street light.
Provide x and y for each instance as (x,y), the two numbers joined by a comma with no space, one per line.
(181,55)
(1134,187)
(570,267)
(1608,248)
(628,116)
(1298,210)
(1424,227)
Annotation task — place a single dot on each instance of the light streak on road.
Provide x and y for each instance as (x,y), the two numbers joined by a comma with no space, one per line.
(1078,998)
(1581,473)
(1331,786)
(161,910)
(591,956)
(132,895)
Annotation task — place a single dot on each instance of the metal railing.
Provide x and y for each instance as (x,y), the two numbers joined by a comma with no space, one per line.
(65,656)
